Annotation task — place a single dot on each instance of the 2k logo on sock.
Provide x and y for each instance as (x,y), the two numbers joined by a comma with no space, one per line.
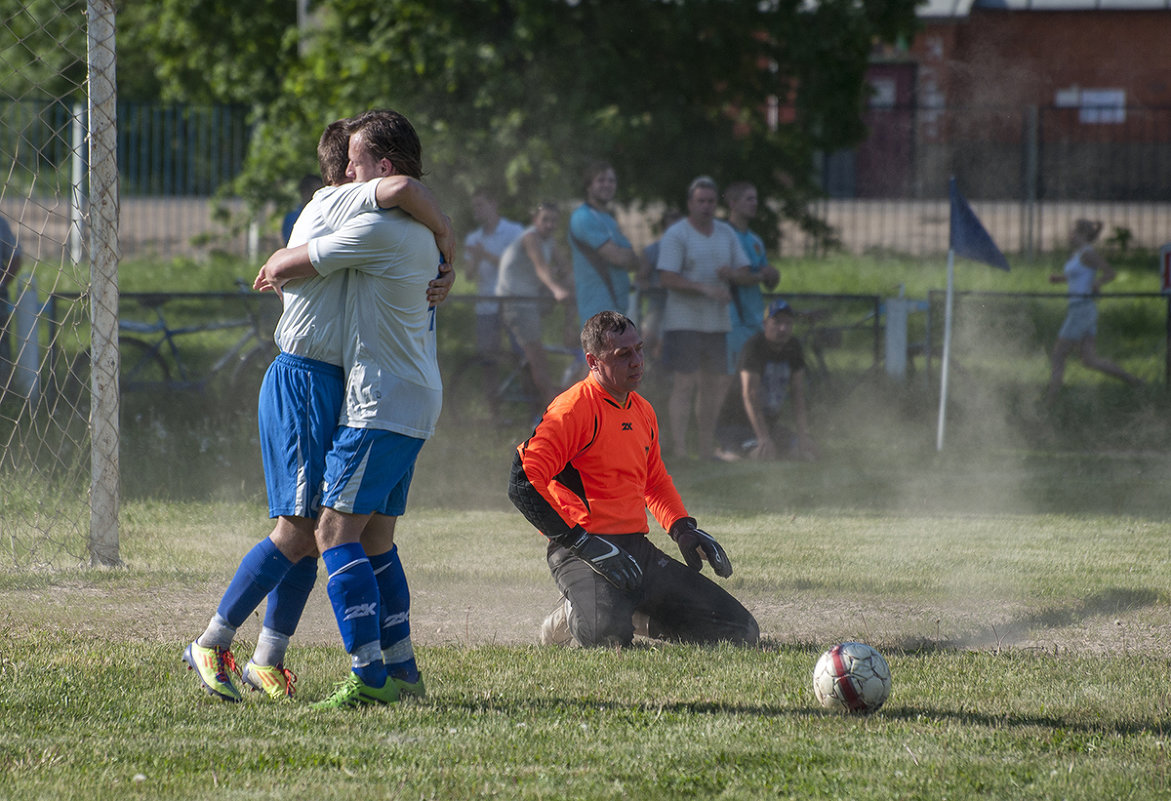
(361,610)
(396,620)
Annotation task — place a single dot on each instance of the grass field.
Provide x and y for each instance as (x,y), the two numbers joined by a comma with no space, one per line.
(1021,599)
(1018,582)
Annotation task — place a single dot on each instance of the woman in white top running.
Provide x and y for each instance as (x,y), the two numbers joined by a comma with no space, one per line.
(1084,273)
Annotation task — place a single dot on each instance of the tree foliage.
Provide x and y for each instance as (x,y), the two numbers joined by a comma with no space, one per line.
(214,51)
(520,94)
(42,49)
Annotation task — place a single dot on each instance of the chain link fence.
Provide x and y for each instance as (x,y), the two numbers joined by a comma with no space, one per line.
(59,378)
(1029,171)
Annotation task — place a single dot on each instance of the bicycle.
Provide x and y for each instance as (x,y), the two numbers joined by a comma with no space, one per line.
(147,363)
(488,390)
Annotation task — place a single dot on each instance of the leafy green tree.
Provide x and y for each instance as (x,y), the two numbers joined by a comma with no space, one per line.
(213,51)
(522,93)
(42,49)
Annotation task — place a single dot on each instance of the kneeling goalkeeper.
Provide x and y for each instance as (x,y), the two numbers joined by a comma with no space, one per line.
(585,479)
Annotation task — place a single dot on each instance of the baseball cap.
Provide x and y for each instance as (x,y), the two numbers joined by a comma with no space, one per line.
(779,306)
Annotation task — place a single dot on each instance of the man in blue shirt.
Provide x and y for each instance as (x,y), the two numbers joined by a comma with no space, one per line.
(602,256)
(747,307)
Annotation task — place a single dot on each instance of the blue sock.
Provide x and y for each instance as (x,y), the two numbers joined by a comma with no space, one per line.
(287,600)
(261,569)
(397,653)
(353,592)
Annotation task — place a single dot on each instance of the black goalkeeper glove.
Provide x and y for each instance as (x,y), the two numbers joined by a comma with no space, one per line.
(607,560)
(696,545)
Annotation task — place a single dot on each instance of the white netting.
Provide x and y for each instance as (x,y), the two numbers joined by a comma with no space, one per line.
(59,200)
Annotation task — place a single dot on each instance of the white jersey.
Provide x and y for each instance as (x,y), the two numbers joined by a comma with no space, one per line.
(392,369)
(312,323)
(693,255)
(518,275)
(487,270)
(1079,276)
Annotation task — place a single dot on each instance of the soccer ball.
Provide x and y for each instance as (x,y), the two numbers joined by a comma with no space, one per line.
(851,677)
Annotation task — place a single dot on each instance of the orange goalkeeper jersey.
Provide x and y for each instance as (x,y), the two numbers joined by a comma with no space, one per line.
(598,464)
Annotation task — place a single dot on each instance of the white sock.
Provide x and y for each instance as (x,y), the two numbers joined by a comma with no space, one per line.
(219,633)
(401,651)
(270,647)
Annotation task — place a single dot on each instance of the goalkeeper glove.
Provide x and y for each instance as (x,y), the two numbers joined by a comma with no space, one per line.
(696,545)
(607,560)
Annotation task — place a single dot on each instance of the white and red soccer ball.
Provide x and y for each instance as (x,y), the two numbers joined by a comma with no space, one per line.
(851,677)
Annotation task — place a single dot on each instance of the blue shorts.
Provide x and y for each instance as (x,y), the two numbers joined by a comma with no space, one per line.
(300,402)
(1080,321)
(369,471)
(695,351)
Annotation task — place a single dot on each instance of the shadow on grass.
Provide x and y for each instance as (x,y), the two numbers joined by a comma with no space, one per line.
(1108,602)
(581,708)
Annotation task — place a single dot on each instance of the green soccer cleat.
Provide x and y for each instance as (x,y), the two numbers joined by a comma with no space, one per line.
(355,692)
(275,681)
(416,689)
(212,666)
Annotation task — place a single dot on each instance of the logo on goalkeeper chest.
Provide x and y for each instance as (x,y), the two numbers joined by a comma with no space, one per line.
(361,610)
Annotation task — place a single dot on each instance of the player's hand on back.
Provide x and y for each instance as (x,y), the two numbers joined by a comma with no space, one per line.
(440,285)
(697,545)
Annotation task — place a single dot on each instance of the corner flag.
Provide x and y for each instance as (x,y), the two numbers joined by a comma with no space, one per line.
(968,236)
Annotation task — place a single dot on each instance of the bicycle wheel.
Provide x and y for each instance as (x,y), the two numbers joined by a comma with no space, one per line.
(142,365)
(68,385)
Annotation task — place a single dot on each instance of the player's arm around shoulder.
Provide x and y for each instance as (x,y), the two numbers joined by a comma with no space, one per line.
(417,200)
(340,204)
(379,243)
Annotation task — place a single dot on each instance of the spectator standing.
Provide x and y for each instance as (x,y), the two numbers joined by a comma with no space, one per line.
(747,307)
(483,248)
(1084,273)
(603,258)
(770,375)
(698,256)
(532,270)
(651,289)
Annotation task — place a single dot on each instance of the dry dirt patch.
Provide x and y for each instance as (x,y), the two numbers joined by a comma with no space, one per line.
(471,616)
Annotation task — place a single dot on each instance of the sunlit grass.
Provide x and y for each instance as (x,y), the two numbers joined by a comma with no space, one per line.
(530,723)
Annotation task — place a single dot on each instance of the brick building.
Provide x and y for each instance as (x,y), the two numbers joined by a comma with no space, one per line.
(1051,99)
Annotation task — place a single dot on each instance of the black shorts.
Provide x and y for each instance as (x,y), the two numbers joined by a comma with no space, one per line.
(695,351)
(682,605)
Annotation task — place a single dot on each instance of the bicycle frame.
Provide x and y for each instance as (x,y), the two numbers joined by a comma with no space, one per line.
(163,345)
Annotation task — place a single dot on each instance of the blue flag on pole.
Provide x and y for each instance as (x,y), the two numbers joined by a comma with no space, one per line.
(968,236)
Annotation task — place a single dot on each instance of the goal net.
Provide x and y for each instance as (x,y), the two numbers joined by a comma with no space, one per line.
(58,306)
